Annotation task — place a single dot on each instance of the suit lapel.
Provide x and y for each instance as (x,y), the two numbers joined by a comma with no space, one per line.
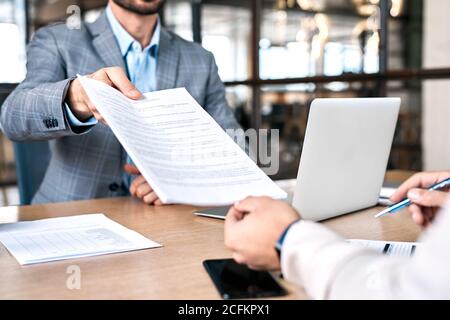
(105,42)
(168,57)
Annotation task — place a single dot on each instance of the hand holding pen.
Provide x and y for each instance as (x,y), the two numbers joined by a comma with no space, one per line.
(423,204)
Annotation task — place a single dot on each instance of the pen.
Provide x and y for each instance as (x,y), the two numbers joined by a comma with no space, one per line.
(406,202)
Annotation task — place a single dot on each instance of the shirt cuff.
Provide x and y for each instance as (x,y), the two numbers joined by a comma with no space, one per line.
(279,244)
(74,122)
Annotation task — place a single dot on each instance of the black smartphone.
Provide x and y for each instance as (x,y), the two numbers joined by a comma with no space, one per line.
(236,281)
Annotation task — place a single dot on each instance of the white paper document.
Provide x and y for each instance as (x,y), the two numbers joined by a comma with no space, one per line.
(178,147)
(69,237)
(391,248)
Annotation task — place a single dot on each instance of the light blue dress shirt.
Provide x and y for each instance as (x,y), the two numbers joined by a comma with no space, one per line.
(140,63)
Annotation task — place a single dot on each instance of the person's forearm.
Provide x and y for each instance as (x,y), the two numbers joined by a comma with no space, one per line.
(35,109)
(329,268)
(312,255)
(36,113)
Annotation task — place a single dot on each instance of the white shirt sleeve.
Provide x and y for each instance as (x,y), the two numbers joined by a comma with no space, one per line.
(329,268)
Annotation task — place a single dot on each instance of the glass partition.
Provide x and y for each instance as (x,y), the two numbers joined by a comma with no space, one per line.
(178,18)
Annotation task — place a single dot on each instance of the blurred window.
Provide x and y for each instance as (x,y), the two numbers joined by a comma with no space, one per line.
(298,41)
(226,33)
(12,37)
(178,18)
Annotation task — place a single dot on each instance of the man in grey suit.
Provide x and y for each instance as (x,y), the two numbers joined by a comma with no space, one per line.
(126,48)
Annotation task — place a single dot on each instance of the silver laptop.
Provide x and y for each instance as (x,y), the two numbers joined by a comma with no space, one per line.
(344,157)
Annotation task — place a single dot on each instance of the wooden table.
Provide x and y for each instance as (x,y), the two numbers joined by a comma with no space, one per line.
(172,272)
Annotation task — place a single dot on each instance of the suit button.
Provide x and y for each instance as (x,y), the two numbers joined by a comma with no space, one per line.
(113,187)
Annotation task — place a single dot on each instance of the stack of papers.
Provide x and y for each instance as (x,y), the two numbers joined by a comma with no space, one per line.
(393,249)
(68,238)
(179,148)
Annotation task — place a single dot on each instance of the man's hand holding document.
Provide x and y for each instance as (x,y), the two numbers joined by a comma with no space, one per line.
(178,147)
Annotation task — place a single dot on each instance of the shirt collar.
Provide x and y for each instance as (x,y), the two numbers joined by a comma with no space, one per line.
(125,40)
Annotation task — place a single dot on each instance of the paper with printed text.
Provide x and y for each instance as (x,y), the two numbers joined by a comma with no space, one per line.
(178,147)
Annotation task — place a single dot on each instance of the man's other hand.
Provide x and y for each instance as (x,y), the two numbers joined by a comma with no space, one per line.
(140,188)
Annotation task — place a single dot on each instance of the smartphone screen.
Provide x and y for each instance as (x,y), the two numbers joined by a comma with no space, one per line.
(236,281)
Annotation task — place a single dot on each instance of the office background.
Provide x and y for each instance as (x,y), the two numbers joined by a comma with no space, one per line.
(276,56)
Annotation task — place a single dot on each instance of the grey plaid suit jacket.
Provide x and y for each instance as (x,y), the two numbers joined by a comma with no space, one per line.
(90,164)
